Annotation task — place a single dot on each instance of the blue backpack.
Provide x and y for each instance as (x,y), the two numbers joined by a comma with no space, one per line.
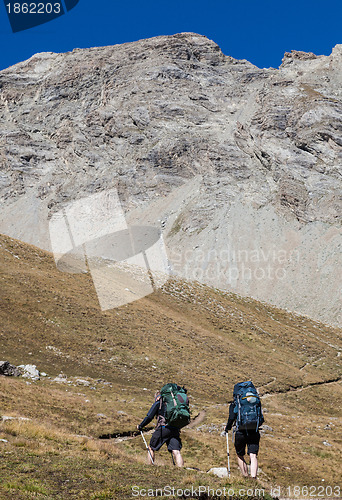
(247,407)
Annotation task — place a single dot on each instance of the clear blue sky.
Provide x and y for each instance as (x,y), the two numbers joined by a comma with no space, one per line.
(260,31)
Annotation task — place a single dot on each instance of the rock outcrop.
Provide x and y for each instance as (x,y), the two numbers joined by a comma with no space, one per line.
(219,471)
(26,371)
(240,167)
(29,371)
(9,370)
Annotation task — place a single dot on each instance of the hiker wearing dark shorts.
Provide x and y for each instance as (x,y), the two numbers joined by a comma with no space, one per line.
(163,433)
(245,438)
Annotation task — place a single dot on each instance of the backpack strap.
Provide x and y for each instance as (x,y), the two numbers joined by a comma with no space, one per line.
(173,398)
(161,418)
(239,411)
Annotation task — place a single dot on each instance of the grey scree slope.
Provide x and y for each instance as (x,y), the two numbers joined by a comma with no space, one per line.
(239,166)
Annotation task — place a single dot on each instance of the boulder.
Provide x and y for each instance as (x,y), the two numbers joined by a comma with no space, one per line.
(219,471)
(81,381)
(29,371)
(9,370)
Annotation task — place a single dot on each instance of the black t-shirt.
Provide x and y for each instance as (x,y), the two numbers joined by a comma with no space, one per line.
(231,417)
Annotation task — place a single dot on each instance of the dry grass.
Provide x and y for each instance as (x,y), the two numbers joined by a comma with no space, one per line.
(200,337)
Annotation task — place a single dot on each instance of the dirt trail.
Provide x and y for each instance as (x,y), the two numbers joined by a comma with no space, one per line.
(198,419)
(300,387)
(126,435)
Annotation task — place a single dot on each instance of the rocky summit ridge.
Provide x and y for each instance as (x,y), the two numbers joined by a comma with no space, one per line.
(239,167)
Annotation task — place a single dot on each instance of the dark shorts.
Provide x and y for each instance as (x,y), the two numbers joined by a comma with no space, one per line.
(167,435)
(250,439)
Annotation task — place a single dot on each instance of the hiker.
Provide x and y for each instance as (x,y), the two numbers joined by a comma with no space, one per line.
(171,407)
(246,411)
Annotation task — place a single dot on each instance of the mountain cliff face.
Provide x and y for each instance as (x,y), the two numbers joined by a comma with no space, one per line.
(239,167)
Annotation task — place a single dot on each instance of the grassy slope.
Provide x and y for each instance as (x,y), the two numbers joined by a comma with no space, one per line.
(194,335)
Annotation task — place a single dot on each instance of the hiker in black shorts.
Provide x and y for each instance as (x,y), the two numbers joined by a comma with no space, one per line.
(163,433)
(243,438)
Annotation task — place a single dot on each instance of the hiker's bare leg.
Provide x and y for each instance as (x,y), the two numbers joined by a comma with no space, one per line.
(149,456)
(178,458)
(254,464)
(242,465)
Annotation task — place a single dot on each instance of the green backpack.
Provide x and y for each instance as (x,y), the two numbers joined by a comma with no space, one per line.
(177,411)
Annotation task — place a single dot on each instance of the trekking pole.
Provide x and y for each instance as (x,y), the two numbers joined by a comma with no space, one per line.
(148,449)
(228,454)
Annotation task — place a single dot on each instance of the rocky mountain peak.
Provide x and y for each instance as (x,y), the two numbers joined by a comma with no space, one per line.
(231,161)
